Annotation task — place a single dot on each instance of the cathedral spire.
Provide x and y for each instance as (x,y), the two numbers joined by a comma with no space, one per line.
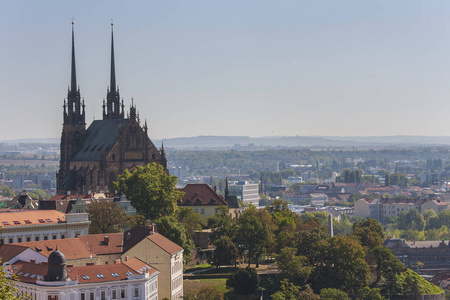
(113,106)
(74,73)
(112,85)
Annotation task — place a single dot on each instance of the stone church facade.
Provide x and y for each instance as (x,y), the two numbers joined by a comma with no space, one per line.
(93,158)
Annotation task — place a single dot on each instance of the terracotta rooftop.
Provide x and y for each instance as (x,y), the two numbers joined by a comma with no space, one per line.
(19,217)
(73,248)
(8,253)
(164,243)
(200,194)
(104,243)
(30,272)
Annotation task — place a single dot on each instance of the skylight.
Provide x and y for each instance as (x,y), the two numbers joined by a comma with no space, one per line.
(115,275)
(85,277)
(5,223)
(32,276)
(26,274)
(100,276)
(27,221)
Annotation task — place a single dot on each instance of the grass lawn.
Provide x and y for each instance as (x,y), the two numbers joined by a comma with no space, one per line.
(193,284)
(197,268)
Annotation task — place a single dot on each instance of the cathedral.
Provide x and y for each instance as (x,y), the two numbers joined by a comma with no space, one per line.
(93,158)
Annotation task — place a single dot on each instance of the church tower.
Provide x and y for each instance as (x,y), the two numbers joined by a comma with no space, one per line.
(112,108)
(74,124)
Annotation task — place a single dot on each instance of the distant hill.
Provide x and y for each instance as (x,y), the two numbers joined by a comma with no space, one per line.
(302,141)
(218,142)
(33,141)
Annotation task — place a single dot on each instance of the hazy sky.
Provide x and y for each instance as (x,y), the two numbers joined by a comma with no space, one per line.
(253,68)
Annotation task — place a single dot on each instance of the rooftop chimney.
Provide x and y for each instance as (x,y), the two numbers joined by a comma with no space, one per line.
(106,240)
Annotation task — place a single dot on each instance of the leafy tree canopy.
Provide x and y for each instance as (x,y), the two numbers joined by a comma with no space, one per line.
(151,190)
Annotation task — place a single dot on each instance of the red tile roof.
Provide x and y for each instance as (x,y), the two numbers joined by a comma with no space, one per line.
(19,217)
(164,243)
(9,252)
(30,272)
(200,194)
(98,243)
(73,248)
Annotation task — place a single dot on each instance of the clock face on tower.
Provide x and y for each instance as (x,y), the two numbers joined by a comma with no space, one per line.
(76,137)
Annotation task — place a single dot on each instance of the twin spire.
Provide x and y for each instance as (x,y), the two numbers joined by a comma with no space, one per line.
(112,108)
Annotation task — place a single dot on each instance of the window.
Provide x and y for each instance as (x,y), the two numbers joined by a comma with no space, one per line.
(41,221)
(49,220)
(103,295)
(19,240)
(36,238)
(16,222)
(45,237)
(28,238)
(54,237)
(122,293)
(10,240)
(83,296)
(203,211)
(136,292)
(27,222)
(91,296)
(100,276)
(85,277)
(114,294)
(5,223)
(52,297)
(63,236)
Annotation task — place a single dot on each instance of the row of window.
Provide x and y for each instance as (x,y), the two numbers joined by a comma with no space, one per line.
(28,238)
(177,282)
(114,294)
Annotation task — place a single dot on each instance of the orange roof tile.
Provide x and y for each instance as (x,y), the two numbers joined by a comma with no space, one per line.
(73,248)
(14,217)
(98,244)
(164,243)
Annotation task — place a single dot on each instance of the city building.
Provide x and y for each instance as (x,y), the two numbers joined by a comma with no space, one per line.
(141,242)
(144,243)
(19,225)
(247,192)
(435,255)
(381,208)
(205,200)
(92,159)
(132,279)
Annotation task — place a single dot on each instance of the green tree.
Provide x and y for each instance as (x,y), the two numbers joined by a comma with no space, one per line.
(6,191)
(411,220)
(151,190)
(226,252)
(255,232)
(293,268)
(369,294)
(333,294)
(370,233)
(106,217)
(243,281)
(7,289)
(222,224)
(343,266)
(386,264)
(190,219)
(39,194)
(287,291)
(176,232)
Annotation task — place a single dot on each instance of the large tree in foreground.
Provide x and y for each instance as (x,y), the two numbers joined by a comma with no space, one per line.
(151,190)
(106,217)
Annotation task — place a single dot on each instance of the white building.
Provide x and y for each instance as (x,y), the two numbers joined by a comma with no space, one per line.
(20,225)
(245,191)
(132,279)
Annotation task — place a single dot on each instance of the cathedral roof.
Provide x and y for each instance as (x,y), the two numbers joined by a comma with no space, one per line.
(101,135)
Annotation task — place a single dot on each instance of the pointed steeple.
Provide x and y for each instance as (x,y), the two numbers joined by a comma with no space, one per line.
(112,85)
(73,86)
(113,107)
(75,114)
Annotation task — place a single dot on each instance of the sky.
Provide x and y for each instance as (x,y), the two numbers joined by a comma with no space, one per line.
(247,68)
